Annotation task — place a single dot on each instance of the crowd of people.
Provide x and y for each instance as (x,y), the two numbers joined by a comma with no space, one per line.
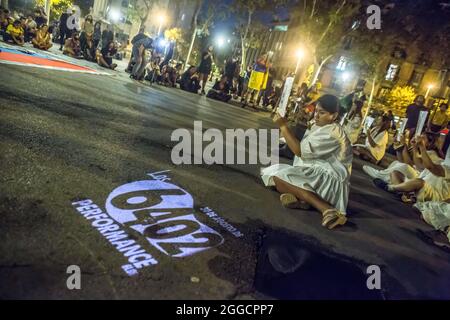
(323,154)
(19,30)
(86,41)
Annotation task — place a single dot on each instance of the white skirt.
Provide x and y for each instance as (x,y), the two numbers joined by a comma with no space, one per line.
(435,188)
(312,178)
(436,214)
(385,175)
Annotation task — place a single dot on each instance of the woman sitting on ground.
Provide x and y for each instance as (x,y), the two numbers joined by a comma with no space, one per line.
(220,91)
(376,142)
(190,80)
(320,174)
(354,119)
(433,183)
(72,46)
(106,56)
(42,39)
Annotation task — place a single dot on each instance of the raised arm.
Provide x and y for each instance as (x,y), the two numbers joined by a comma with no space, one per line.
(292,142)
(435,169)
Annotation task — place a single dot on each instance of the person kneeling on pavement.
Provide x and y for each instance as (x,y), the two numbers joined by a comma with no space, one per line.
(320,174)
(433,183)
(190,80)
(106,56)
(220,91)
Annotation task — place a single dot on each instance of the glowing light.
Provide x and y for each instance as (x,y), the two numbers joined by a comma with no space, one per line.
(114,15)
(299,53)
(163,42)
(346,76)
(220,41)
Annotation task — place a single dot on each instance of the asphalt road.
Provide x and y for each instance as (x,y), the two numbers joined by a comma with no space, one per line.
(67,137)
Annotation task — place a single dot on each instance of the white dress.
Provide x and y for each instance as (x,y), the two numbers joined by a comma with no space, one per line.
(436,188)
(323,168)
(408,171)
(381,141)
(436,214)
(352,128)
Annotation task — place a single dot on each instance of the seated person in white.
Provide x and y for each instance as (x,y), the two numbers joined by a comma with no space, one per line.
(405,168)
(320,174)
(433,183)
(376,142)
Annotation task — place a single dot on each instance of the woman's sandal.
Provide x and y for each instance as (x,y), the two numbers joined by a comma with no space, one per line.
(288,200)
(333,218)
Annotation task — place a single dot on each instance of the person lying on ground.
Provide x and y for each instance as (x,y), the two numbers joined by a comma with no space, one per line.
(376,142)
(14,34)
(105,59)
(433,183)
(320,174)
(406,167)
(42,38)
(220,91)
(436,214)
(72,46)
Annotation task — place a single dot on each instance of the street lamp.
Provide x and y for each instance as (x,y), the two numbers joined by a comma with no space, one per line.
(299,54)
(220,41)
(430,86)
(346,76)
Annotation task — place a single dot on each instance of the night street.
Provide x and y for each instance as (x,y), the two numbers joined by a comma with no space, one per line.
(69,137)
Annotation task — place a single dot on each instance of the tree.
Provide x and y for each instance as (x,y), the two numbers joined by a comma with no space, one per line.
(249,7)
(57,8)
(323,25)
(400,97)
(139,11)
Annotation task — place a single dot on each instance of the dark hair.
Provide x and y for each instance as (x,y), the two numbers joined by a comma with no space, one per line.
(15,22)
(329,103)
(444,104)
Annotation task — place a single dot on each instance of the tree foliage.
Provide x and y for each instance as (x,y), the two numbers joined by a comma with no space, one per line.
(400,97)
(58,7)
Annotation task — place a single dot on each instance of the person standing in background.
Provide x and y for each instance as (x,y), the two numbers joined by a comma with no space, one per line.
(205,67)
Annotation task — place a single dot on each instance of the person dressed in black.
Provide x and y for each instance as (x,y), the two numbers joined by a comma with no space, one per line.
(64,31)
(230,71)
(190,80)
(97,34)
(413,112)
(40,18)
(205,67)
(107,54)
(220,91)
(139,57)
(141,35)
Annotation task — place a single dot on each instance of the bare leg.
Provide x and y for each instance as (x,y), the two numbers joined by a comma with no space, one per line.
(301,194)
(397,177)
(409,186)
(102,62)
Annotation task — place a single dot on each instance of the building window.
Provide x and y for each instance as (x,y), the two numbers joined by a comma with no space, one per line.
(342,64)
(416,78)
(391,72)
